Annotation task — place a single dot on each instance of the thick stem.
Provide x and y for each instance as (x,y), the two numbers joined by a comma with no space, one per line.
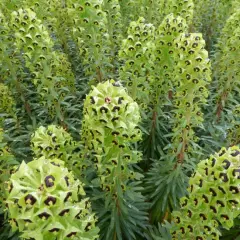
(220,105)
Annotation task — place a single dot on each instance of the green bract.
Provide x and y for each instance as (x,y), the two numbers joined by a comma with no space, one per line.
(109,127)
(214,197)
(44,202)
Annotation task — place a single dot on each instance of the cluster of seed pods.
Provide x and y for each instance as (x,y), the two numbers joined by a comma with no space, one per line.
(108,131)
(213,197)
(45,201)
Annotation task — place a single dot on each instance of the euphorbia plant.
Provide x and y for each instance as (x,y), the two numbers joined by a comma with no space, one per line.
(164,108)
(109,132)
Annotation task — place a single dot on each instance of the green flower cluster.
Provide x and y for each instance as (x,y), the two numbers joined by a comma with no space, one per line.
(87,22)
(54,142)
(213,197)
(182,8)
(191,78)
(109,128)
(45,202)
(165,57)
(7,104)
(33,39)
(210,16)
(233,132)
(226,65)
(6,52)
(149,55)
(168,63)
(47,69)
(114,25)
(156,11)
(137,54)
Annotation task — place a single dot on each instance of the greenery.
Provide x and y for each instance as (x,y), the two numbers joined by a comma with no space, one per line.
(108,109)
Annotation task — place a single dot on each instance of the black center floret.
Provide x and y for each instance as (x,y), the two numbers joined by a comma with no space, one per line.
(44,215)
(49,181)
(30,199)
(63,212)
(50,201)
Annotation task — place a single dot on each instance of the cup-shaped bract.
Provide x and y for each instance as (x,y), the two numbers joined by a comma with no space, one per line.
(45,202)
(214,197)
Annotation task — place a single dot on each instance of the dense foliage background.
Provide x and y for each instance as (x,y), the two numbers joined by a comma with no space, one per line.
(125,99)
